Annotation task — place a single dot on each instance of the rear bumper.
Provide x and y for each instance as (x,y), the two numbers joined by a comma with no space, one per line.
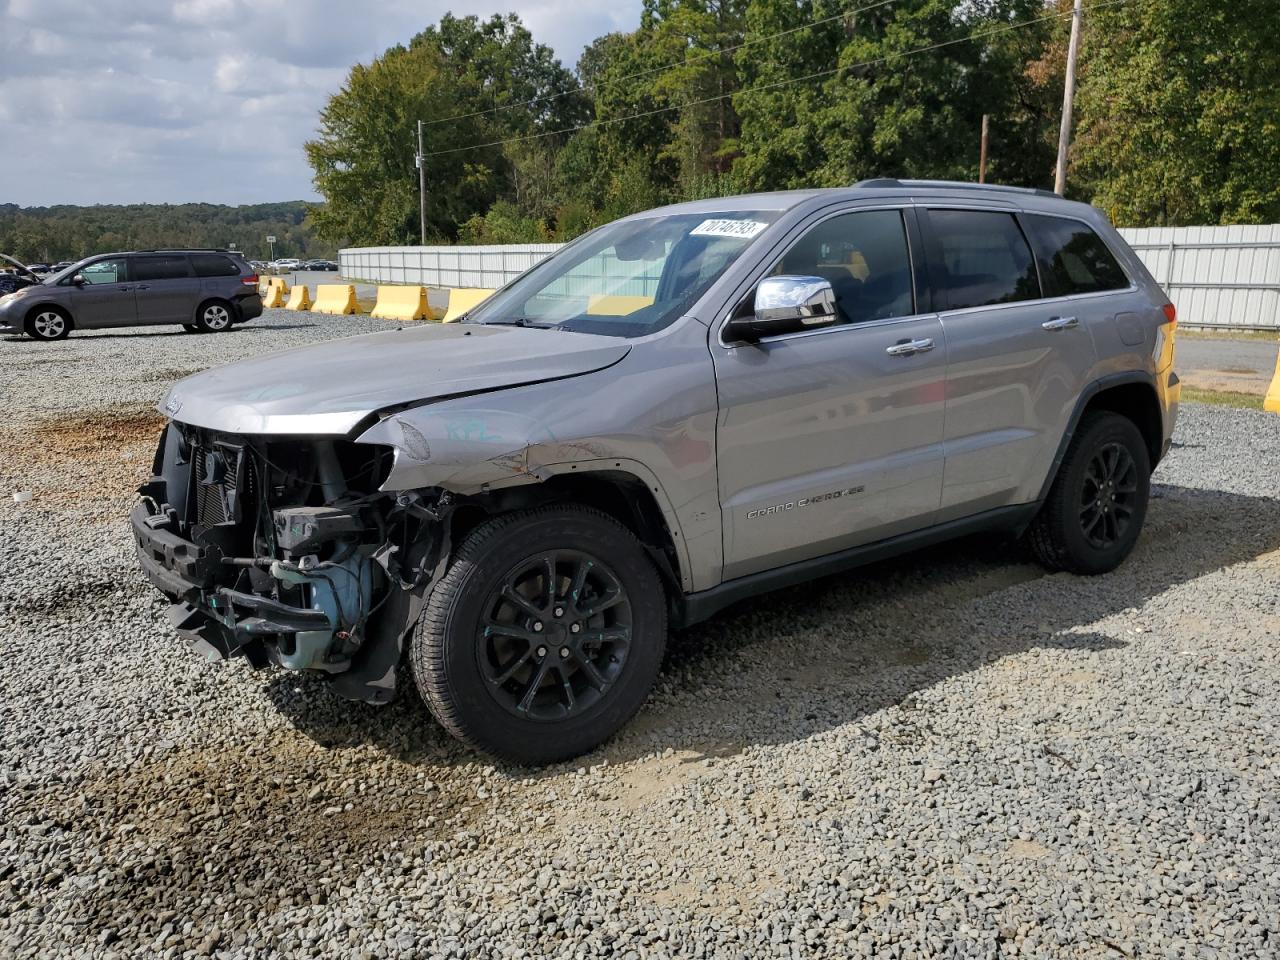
(250,307)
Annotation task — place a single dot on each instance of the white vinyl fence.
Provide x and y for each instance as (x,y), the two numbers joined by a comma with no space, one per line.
(1217,276)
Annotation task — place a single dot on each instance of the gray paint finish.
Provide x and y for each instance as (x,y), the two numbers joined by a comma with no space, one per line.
(906,442)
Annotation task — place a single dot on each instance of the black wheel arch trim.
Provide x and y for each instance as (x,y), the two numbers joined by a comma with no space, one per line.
(1082,402)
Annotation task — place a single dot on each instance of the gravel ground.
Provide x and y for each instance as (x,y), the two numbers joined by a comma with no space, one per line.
(948,755)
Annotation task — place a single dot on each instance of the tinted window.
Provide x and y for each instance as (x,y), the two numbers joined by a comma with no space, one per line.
(160,268)
(104,271)
(213,265)
(1073,259)
(866,259)
(985,259)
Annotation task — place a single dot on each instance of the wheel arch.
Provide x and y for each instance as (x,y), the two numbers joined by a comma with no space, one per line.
(619,493)
(206,301)
(48,305)
(1131,395)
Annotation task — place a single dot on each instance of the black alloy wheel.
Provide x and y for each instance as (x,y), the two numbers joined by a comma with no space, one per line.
(1107,495)
(1096,506)
(544,636)
(556,635)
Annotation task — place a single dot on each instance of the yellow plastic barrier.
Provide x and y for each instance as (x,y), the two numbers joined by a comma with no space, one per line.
(462,299)
(336,298)
(274,295)
(615,305)
(299,299)
(402,303)
(1272,403)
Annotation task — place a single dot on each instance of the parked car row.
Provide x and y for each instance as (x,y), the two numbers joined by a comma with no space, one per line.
(205,291)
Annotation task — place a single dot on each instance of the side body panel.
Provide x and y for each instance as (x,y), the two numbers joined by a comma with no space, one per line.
(651,415)
(167,300)
(103,304)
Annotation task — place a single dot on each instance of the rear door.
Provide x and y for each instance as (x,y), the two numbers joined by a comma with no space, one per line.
(167,289)
(107,298)
(831,438)
(1017,362)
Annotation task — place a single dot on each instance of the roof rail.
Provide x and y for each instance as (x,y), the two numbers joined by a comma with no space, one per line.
(889,182)
(187,250)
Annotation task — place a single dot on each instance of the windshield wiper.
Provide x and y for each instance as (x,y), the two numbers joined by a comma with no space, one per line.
(517,322)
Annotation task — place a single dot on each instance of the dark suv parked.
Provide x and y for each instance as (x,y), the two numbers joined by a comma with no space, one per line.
(203,290)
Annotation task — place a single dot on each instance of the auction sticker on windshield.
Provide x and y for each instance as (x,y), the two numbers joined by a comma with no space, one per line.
(742,229)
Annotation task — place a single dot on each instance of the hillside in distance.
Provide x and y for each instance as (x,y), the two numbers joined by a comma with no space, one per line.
(65,232)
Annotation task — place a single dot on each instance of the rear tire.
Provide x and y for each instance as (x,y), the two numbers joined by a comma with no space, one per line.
(48,323)
(215,316)
(545,635)
(1096,507)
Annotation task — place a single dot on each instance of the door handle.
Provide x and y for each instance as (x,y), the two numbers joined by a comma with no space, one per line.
(1060,323)
(909,348)
(124,289)
(144,286)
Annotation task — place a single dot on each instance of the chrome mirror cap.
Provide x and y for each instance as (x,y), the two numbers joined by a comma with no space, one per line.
(808,301)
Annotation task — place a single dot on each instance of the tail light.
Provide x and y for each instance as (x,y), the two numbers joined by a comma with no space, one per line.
(1171,314)
(250,281)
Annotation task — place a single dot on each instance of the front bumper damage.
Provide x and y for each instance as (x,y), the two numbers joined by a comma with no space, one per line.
(307,567)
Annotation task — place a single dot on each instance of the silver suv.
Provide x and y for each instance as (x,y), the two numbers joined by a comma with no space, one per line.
(678,410)
(206,291)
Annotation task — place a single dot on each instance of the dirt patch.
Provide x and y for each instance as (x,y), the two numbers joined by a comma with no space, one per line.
(89,462)
(183,824)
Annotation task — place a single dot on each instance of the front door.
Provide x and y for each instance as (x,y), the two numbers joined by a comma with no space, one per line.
(106,299)
(168,290)
(832,438)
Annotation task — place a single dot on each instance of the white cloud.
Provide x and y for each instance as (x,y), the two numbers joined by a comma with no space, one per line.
(123,101)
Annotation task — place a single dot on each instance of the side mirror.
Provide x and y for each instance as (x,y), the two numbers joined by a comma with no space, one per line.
(785,305)
(79,280)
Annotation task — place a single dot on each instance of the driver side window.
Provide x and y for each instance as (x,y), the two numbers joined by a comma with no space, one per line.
(104,271)
(865,258)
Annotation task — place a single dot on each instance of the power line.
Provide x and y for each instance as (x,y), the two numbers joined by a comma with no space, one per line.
(644,73)
(1007,28)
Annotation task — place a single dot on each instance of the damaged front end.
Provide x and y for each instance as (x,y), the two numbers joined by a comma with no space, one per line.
(284,550)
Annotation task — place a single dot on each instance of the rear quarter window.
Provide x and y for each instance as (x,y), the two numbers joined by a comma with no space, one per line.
(1073,258)
(214,265)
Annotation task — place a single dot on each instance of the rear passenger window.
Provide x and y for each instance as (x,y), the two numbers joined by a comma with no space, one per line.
(985,259)
(213,265)
(865,257)
(1073,259)
(160,268)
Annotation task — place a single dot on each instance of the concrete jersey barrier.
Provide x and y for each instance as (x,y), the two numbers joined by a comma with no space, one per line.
(335,298)
(462,299)
(402,303)
(299,298)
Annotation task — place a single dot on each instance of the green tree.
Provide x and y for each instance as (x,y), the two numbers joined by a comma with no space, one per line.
(1179,112)
(472,82)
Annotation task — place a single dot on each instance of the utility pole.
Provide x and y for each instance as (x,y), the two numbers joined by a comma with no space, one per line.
(982,152)
(1068,96)
(421,162)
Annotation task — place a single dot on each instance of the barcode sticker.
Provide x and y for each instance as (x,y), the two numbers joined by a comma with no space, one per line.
(741,229)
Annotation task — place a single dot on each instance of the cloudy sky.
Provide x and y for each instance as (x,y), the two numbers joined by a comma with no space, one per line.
(155,101)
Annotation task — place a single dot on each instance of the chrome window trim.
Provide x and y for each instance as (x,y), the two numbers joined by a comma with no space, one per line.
(901,207)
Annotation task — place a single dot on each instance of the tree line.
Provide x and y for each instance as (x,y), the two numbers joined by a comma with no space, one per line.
(52,234)
(1178,112)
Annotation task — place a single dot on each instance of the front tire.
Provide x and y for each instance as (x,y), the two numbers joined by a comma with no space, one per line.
(214,317)
(1096,507)
(545,635)
(48,323)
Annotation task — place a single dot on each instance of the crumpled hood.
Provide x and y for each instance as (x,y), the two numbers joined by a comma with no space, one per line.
(329,387)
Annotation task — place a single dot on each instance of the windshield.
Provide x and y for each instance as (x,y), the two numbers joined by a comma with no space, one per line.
(629,278)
